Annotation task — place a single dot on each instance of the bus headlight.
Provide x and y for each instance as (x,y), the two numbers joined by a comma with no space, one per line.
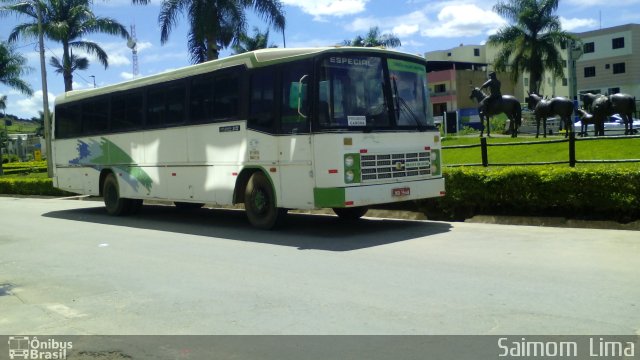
(349,176)
(348,161)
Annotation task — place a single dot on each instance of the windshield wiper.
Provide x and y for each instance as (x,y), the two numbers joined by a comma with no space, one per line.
(401,104)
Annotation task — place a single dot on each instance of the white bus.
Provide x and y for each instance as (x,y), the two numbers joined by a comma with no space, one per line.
(275,129)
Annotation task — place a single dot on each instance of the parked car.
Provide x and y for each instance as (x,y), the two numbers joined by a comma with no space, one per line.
(614,126)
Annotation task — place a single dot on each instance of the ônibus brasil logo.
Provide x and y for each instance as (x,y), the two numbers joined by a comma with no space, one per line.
(25,347)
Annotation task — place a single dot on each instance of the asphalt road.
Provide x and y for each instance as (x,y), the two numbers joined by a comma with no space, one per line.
(66,267)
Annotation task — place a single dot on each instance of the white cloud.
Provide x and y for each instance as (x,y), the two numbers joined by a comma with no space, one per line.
(464,20)
(30,106)
(362,24)
(405,30)
(126,75)
(573,24)
(321,8)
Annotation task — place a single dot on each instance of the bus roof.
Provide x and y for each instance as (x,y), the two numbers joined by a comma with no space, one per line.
(251,59)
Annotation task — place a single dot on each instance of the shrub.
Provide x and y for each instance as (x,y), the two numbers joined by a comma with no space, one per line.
(15,186)
(589,193)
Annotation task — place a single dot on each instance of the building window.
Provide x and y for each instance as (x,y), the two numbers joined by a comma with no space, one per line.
(590,71)
(526,81)
(448,54)
(619,68)
(589,47)
(440,88)
(563,45)
(476,52)
(612,91)
(617,43)
(564,63)
(607,66)
(564,82)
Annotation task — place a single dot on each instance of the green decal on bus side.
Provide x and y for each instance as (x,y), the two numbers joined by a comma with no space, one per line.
(99,155)
(329,197)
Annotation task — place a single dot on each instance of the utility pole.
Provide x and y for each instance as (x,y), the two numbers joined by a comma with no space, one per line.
(45,92)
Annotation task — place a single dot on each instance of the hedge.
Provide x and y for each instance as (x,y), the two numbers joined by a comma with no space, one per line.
(27,186)
(583,193)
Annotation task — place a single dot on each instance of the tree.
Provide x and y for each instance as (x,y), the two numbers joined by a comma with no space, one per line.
(375,39)
(66,22)
(12,67)
(215,24)
(75,63)
(531,43)
(248,43)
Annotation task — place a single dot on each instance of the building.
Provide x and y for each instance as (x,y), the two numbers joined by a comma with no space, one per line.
(611,61)
(607,62)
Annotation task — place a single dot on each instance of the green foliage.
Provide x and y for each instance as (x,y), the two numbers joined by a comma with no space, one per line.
(590,193)
(29,186)
(13,168)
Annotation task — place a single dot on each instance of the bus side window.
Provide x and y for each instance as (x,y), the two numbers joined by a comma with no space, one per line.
(95,116)
(261,100)
(292,121)
(68,121)
(225,101)
(201,100)
(166,105)
(126,111)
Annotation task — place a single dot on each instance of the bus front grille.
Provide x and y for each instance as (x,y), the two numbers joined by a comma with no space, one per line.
(398,166)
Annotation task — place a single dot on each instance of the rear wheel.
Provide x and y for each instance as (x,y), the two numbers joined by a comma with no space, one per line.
(115,205)
(260,203)
(352,213)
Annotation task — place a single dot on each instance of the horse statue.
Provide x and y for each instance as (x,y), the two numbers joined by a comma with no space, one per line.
(625,105)
(509,105)
(544,108)
(588,99)
(585,120)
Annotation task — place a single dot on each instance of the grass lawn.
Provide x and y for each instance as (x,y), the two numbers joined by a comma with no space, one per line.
(585,150)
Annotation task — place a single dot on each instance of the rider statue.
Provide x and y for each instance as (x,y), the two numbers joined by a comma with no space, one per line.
(493,100)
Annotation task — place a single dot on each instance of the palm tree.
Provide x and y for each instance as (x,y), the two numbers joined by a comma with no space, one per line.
(12,66)
(248,43)
(67,22)
(215,24)
(374,39)
(531,43)
(75,63)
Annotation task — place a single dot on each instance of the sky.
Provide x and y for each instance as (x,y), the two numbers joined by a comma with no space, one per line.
(421,25)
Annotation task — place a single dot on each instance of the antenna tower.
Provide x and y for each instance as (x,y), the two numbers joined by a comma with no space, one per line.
(132,44)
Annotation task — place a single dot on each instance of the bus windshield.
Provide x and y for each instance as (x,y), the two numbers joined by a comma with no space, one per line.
(354,93)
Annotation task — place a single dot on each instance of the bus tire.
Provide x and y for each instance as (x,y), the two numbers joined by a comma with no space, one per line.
(352,213)
(260,203)
(114,204)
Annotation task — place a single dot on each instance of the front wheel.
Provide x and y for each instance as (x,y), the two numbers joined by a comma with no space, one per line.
(115,205)
(352,213)
(260,203)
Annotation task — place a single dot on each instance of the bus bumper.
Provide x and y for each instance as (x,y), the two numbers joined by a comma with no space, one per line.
(368,195)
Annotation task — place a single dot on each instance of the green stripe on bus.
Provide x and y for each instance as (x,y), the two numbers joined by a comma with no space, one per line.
(405,66)
(329,197)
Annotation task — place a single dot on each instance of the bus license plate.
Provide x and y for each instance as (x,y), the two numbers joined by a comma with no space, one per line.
(401,191)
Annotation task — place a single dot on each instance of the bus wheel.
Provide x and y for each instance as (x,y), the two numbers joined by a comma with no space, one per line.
(260,203)
(115,205)
(187,205)
(352,213)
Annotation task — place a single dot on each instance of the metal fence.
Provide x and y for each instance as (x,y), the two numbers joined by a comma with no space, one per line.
(571,151)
